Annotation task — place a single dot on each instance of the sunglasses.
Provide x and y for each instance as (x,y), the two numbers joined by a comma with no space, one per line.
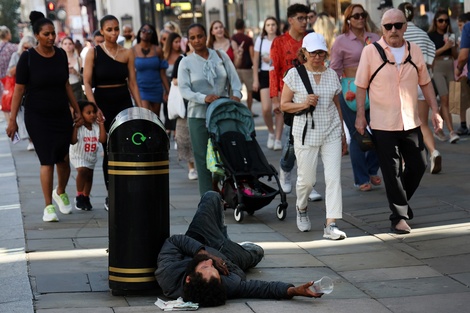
(443,20)
(359,15)
(390,26)
(301,19)
(319,53)
(146,31)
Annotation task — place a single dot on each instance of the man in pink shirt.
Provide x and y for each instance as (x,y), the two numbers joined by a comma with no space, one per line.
(394,118)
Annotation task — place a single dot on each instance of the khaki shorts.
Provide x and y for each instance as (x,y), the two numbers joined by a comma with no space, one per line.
(246,77)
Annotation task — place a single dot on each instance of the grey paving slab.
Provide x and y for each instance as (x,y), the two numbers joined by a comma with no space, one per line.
(60,282)
(322,305)
(369,260)
(394,273)
(451,264)
(457,302)
(412,287)
(79,310)
(463,278)
(24,306)
(77,300)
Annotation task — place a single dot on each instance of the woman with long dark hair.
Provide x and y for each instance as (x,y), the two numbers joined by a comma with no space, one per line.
(111,68)
(44,72)
(261,67)
(150,67)
(441,34)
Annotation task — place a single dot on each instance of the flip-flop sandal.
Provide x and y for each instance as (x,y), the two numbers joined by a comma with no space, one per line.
(376,180)
(365,187)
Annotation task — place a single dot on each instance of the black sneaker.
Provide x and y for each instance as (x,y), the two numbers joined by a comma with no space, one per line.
(89,207)
(106,204)
(80,203)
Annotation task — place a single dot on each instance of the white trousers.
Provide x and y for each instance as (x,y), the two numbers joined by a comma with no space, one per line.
(307,160)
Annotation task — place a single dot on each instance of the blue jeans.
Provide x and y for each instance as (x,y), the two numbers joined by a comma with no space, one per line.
(208,227)
(364,164)
(287,161)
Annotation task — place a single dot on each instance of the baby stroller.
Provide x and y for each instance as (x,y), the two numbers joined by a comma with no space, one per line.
(232,133)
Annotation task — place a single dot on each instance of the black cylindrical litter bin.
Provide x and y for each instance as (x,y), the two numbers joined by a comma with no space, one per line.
(138,193)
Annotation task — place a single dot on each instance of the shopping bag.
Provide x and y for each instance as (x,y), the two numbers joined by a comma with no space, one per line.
(454,97)
(176,105)
(213,159)
(8,88)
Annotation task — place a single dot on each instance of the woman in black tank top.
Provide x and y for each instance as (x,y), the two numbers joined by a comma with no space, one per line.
(110,68)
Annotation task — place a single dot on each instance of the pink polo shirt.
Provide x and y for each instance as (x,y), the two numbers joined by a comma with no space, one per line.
(393,94)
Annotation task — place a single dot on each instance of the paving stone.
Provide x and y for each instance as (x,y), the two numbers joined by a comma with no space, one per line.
(457,302)
(77,300)
(389,274)
(62,282)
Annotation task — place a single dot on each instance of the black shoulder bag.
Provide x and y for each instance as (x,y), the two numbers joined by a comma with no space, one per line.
(304,76)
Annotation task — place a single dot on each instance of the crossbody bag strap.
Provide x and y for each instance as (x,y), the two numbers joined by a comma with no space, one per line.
(304,76)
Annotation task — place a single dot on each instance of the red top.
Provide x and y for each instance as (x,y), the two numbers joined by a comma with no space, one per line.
(284,56)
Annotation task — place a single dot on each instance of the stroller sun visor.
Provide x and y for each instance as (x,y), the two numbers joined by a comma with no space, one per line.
(225,115)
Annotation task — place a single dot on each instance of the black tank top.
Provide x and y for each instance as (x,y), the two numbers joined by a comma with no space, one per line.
(107,71)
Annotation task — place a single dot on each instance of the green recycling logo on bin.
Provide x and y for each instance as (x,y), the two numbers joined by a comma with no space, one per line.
(138,138)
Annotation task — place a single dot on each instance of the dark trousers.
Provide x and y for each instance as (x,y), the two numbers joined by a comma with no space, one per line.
(401,180)
(208,227)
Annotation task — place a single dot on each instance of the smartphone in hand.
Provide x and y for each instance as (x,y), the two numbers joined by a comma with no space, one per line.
(16,138)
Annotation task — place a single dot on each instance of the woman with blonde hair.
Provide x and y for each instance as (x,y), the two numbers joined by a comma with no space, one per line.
(325,27)
(345,56)
(75,64)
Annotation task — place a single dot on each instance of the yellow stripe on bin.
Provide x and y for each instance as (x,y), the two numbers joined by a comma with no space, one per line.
(138,164)
(137,172)
(131,279)
(132,270)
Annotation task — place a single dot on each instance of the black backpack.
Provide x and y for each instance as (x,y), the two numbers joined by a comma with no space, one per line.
(385,60)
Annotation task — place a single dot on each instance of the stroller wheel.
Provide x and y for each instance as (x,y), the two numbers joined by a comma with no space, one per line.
(281,212)
(238,213)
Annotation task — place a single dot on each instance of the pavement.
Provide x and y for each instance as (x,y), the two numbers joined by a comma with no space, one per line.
(62,267)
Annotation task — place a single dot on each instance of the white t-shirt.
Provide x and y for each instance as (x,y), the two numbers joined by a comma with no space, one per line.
(265,49)
(398,54)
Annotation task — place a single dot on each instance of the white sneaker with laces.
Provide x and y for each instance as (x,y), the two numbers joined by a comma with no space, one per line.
(303,222)
(49,214)
(436,161)
(332,232)
(277,145)
(192,175)
(284,179)
(270,143)
(62,201)
(314,195)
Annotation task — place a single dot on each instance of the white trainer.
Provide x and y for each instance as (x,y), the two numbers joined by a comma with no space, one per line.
(284,179)
(192,175)
(49,214)
(436,162)
(270,143)
(303,221)
(314,195)
(277,145)
(332,232)
(62,201)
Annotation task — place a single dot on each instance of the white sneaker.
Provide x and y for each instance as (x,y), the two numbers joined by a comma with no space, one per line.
(436,161)
(277,145)
(453,137)
(30,146)
(332,232)
(192,175)
(314,195)
(270,143)
(62,201)
(284,179)
(49,214)
(303,222)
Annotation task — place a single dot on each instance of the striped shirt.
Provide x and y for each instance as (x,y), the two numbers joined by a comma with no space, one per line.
(421,38)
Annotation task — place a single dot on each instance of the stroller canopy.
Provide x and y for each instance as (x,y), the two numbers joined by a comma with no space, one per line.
(225,115)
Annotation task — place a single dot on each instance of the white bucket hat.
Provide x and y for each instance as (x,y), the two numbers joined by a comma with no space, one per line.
(313,42)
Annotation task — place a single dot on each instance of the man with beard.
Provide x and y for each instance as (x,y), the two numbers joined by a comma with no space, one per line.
(129,38)
(204,266)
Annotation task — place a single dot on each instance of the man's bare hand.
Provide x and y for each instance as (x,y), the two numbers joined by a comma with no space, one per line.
(303,291)
(361,124)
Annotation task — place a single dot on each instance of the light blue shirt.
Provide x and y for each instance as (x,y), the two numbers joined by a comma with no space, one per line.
(198,77)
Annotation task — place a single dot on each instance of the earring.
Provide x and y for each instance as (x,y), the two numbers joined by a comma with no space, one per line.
(349,22)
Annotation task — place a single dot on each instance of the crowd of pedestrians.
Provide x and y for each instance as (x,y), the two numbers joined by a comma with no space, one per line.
(119,68)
